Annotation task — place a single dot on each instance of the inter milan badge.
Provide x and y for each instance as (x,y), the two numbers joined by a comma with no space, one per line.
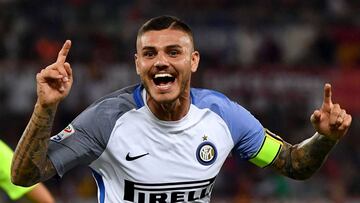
(206,153)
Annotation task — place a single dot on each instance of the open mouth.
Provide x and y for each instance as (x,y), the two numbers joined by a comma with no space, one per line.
(162,79)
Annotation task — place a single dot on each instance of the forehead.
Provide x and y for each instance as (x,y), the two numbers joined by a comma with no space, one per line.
(163,38)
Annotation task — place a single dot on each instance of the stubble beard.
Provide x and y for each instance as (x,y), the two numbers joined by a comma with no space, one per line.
(183,93)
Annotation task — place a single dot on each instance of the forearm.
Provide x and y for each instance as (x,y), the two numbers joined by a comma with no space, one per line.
(30,163)
(302,160)
(40,194)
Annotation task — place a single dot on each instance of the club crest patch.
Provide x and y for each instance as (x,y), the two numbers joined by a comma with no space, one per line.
(69,130)
(206,153)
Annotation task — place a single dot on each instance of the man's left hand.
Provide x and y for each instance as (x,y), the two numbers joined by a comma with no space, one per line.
(330,120)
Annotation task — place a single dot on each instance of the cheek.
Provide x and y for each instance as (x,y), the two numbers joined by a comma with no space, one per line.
(185,63)
(142,66)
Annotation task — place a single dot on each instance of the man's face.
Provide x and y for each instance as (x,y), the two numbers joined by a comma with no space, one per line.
(164,61)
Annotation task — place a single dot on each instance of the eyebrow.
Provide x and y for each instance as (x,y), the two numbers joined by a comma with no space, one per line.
(148,47)
(173,46)
(167,47)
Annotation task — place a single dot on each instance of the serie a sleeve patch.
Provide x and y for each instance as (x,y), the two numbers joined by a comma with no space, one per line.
(268,151)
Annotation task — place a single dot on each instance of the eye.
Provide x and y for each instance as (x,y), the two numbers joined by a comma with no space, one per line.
(174,53)
(149,54)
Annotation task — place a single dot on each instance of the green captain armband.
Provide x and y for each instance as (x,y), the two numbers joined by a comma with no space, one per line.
(268,151)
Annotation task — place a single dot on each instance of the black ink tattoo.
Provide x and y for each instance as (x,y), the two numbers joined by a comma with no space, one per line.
(302,160)
(30,163)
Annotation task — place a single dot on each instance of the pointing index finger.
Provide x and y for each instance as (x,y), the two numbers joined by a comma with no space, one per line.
(327,94)
(64,52)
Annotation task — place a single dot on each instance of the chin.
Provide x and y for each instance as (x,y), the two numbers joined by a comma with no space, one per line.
(164,98)
(163,95)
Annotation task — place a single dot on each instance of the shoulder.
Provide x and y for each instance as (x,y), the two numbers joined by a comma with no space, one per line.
(238,119)
(206,97)
(119,100)
(215,101)
(122,96)
(108,108)
(200,93)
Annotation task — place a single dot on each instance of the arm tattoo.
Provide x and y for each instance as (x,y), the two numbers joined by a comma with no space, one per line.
(302,160)
(30,163)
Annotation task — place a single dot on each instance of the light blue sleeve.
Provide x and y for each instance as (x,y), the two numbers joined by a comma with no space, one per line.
(246,131)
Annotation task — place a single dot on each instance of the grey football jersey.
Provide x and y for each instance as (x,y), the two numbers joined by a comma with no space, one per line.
(135,157)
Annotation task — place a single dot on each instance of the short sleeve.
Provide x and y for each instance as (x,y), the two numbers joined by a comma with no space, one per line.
(84,140)
(80,142)
(252,141)
(246,131)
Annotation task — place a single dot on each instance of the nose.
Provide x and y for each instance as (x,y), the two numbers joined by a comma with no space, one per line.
(161,61)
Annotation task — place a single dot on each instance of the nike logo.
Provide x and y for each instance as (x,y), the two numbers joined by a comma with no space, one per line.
(132,158)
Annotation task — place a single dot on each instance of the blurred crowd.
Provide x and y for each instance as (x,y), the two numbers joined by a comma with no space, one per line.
(272,57)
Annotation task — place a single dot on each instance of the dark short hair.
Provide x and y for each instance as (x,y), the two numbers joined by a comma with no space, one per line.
(165,22)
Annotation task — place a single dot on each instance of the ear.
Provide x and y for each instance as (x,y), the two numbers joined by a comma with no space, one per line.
(136,58)
(195,59)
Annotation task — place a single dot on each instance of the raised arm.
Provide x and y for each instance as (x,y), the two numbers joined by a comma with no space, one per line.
(302,160)
(30,162)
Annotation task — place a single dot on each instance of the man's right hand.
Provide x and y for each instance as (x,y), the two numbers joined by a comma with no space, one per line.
(30,163)
(54,82)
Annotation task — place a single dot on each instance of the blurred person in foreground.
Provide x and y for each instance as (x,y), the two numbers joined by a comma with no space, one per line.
(161,140)
(37,193)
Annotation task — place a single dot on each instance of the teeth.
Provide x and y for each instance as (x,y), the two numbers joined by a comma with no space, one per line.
(162,75)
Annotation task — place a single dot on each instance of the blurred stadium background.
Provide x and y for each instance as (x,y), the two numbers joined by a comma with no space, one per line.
(273,57)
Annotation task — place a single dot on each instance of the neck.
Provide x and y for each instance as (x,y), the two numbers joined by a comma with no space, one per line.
(171,111)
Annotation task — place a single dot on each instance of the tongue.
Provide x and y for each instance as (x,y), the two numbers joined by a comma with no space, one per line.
(163,83)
